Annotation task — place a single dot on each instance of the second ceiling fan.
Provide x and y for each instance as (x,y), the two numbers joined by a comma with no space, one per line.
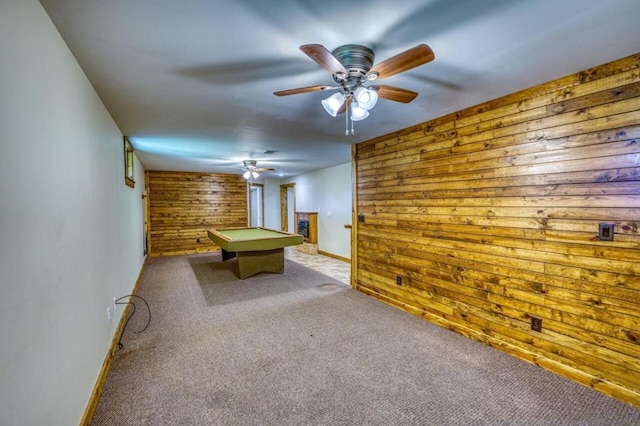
(251,169)
(352,67)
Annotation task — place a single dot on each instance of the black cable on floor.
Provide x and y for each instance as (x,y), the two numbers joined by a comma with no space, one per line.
(117,302)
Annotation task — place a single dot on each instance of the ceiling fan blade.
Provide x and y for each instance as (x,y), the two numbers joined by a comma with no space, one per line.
(302,90)
(261,169)
(419,55)
(395,93)
(345,105)
(324,58)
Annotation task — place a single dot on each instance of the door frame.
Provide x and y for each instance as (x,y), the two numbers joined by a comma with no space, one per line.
(284,205)
(146,213)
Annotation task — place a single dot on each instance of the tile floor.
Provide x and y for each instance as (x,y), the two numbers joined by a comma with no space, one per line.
(335,268)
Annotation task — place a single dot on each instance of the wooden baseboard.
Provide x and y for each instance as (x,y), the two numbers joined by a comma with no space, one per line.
(185,252)
(630,396)
(89,411)
(335,256)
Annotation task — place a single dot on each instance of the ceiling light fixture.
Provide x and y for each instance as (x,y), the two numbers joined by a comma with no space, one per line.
(353,97)
(357,112)
(366,98)
(333,103)
(351,66)
(250,169)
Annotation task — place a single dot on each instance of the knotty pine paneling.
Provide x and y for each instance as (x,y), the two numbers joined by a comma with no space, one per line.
(490,216)
(184,205)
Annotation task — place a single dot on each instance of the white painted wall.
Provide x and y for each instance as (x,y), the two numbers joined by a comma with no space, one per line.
(71,232)
(328,192)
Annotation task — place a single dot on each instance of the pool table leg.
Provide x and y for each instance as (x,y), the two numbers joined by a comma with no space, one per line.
(226,255)
(253,262)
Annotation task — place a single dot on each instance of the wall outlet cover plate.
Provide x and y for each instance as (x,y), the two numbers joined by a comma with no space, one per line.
(605,231)
(536,323)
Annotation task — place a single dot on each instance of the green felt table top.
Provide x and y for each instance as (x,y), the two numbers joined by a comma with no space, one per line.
(250,233)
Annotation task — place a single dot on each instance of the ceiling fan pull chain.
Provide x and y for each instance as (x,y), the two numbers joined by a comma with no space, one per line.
(346,122)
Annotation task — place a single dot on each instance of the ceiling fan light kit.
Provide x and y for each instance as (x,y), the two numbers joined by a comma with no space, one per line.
(352,66)
(333,103)
(251,169)
(357,112)
(366,98)
(250,173)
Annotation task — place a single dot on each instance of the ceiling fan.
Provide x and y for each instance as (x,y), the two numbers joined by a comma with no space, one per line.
(352,67)
(251,169)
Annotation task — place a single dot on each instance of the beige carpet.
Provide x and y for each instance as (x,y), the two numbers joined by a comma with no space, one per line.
(304,349)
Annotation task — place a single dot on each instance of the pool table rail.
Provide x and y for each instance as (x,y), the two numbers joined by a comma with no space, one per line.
(253,239)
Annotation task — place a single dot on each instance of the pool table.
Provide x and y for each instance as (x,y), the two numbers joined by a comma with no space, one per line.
(258,249)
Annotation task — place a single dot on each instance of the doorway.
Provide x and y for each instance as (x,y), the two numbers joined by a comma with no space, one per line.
(256,205)
(287,207)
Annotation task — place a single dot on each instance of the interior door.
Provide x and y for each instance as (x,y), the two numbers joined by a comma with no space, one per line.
(256,205)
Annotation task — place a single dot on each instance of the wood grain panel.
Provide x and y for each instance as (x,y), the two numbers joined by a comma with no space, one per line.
(184,205)
(490,216)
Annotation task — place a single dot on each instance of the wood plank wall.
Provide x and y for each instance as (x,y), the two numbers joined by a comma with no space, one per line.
(490,216)
(184,205)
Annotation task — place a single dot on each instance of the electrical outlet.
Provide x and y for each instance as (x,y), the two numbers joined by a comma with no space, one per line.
(605,231)
(536,323)
(399,280)
(109,314)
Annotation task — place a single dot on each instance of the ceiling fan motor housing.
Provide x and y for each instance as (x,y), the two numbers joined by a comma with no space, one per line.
(357,59)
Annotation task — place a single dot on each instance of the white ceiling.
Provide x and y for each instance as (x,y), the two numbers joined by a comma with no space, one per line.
(191,82)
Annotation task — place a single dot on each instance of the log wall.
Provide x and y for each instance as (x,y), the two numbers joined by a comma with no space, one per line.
(183,205)
(487,217)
